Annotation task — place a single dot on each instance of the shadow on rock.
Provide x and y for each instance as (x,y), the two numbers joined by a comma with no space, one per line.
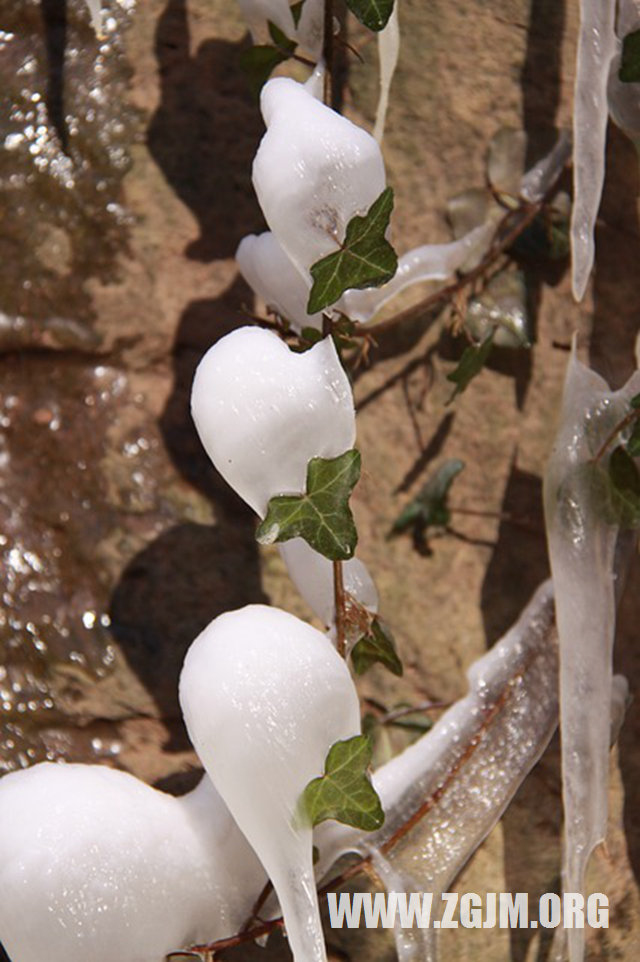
(190,574)
(205,133)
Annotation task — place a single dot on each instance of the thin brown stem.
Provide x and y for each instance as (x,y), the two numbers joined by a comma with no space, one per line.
(327,52)
(340,604)
(626,421)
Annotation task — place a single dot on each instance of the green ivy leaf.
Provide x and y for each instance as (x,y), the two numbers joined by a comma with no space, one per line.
(615,489)
(296,11)
(374,14)
(629,72)
(470,364)
(377,645)
(633,444)
(345,792)
(430,506)
(260,61)
(321,516)
(635,401)
(365,258)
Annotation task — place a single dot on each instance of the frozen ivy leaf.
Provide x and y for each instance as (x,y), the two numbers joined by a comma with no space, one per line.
(345,792)
(374,14)
(365,258)
(633,444)
(470,364)
(629,72)
(321,516)
(429,507)
(261,60)
(296,12)
(615,489)
(635,401)
(376,646)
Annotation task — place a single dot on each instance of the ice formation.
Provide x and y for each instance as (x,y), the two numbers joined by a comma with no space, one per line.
(258,13)
(95,865)
(314,171)
(264,697)
(624,98)
(312,574)
(464,772)
(95,9)
(597,46)
(388,52)
(582,547)
(263,411)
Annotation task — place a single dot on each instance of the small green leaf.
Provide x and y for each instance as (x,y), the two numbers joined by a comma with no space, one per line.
(280,39)
(374,14)
(629,72)
(258,63)
(296,11)
(377,645)
(615,489)
(345,792)
(364,259)
(635,401)
(470,364)
(429,508)
(633,444)
(321,516)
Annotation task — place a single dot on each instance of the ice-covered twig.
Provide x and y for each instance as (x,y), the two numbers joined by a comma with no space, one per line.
(596,48)
(582,545)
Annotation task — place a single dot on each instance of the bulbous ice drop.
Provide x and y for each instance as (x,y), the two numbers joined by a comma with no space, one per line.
(94,864)
(312,574)
(269,272)
(262,412)
(314,171)
(264,696)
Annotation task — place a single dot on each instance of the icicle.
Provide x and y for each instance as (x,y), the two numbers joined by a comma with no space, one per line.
(314,171)
(388,51)
(263,411)
(624,98)
(463,773)
(582,551)
(310,32)
(315,82)
(312,574)
(542,176)
(596,47)
(95,9)
(264,697)
(96,865)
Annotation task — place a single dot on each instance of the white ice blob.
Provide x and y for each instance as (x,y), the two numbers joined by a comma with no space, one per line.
(582,546)
(314,171)
(272,276)
(262,412)
(264,696)
(96,865)
(596,47)
(312,574)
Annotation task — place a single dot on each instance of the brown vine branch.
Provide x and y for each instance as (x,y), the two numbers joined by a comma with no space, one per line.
(340,604)
(489,715)
(632,416)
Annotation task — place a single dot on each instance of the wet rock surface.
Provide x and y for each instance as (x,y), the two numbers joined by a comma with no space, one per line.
(125,187)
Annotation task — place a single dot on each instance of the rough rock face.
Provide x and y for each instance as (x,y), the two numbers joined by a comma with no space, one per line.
(125,189)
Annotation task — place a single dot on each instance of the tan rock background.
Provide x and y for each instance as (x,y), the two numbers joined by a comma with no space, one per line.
(125,185)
